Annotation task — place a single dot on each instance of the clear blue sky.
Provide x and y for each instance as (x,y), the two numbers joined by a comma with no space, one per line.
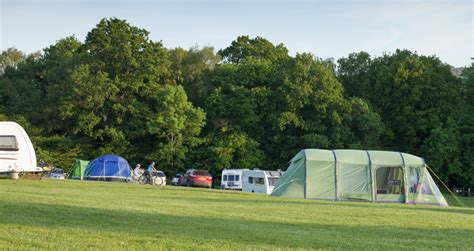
(324,28)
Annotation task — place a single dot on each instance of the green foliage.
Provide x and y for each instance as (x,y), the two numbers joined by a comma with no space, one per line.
(175,124)
(189,68)
(420,103)
(120,92)
(245,49)
(110,94)
(10,57)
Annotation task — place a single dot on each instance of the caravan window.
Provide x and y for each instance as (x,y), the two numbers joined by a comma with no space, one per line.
(237,177)
(231,177)
(259,181)
(8,143)
(272,181)
(250,180)
(225,178)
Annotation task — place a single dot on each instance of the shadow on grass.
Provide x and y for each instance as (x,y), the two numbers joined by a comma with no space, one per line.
(218,230)
(299,202)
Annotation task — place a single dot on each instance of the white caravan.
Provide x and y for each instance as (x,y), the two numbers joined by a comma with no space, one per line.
(260,181)
(16,149)
(232,179)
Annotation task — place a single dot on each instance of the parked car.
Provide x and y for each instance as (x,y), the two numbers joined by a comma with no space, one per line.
(175,179)
(196,178)
(57,173)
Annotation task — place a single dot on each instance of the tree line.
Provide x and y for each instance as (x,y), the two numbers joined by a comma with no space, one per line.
(245,106)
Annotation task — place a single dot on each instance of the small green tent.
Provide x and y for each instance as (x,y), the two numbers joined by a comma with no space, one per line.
(78,169)
(348,175)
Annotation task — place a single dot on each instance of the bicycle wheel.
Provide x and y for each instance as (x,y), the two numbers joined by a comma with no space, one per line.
(158,181)
(143,180)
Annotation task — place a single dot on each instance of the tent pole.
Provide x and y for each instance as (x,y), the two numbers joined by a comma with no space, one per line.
(405,178)
(372,190)
(305,175)
(335,176)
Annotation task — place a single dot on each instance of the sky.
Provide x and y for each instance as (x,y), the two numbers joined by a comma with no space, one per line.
(328,29)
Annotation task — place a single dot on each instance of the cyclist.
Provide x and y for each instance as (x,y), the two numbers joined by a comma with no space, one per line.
(137,171)
(150,170)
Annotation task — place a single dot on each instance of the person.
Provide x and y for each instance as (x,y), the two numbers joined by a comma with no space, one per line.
(150,170)
(137,171)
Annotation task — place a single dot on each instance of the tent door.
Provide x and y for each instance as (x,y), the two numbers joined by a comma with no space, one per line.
(389,184)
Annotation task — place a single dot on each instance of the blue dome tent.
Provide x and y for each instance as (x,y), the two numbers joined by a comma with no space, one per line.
(108,168)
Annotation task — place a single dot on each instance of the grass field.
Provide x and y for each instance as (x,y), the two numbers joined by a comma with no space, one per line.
(50,214)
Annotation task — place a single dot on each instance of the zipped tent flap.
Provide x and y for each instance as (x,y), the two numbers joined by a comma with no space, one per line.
(320,174)
(291,184)
(353,175)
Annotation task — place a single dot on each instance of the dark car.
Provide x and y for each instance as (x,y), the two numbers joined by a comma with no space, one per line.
(196,178)
(176,179)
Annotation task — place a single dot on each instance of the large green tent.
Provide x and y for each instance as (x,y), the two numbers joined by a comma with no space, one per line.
(348,175)
(78,169)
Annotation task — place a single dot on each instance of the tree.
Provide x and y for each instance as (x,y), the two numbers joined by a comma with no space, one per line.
(176,124)
(10,57)
(114,94)
(244,48)
(282,103)
(190,68)
(419,101)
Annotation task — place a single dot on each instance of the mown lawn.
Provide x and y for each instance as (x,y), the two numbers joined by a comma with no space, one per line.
(50,214)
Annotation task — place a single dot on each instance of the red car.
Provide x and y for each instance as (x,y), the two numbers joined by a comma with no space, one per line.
(196,178)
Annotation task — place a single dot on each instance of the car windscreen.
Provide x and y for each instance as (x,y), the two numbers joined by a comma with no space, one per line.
(8,143)
(201,173)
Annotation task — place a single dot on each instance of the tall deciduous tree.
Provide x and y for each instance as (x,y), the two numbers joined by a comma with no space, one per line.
(419,100)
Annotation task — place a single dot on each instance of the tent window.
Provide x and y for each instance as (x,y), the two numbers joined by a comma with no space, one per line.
(389,180)
(414,179)
(425,189)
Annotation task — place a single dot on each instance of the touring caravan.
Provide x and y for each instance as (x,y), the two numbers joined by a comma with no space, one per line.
(232,179)
(260,181)
(16,150)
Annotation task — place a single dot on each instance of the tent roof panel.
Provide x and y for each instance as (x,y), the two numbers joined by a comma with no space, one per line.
(318,154)
(352,156)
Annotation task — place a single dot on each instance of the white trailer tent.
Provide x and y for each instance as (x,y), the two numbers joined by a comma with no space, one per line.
(16,150)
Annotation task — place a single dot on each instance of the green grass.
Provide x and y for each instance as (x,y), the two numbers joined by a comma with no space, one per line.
(51,214)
